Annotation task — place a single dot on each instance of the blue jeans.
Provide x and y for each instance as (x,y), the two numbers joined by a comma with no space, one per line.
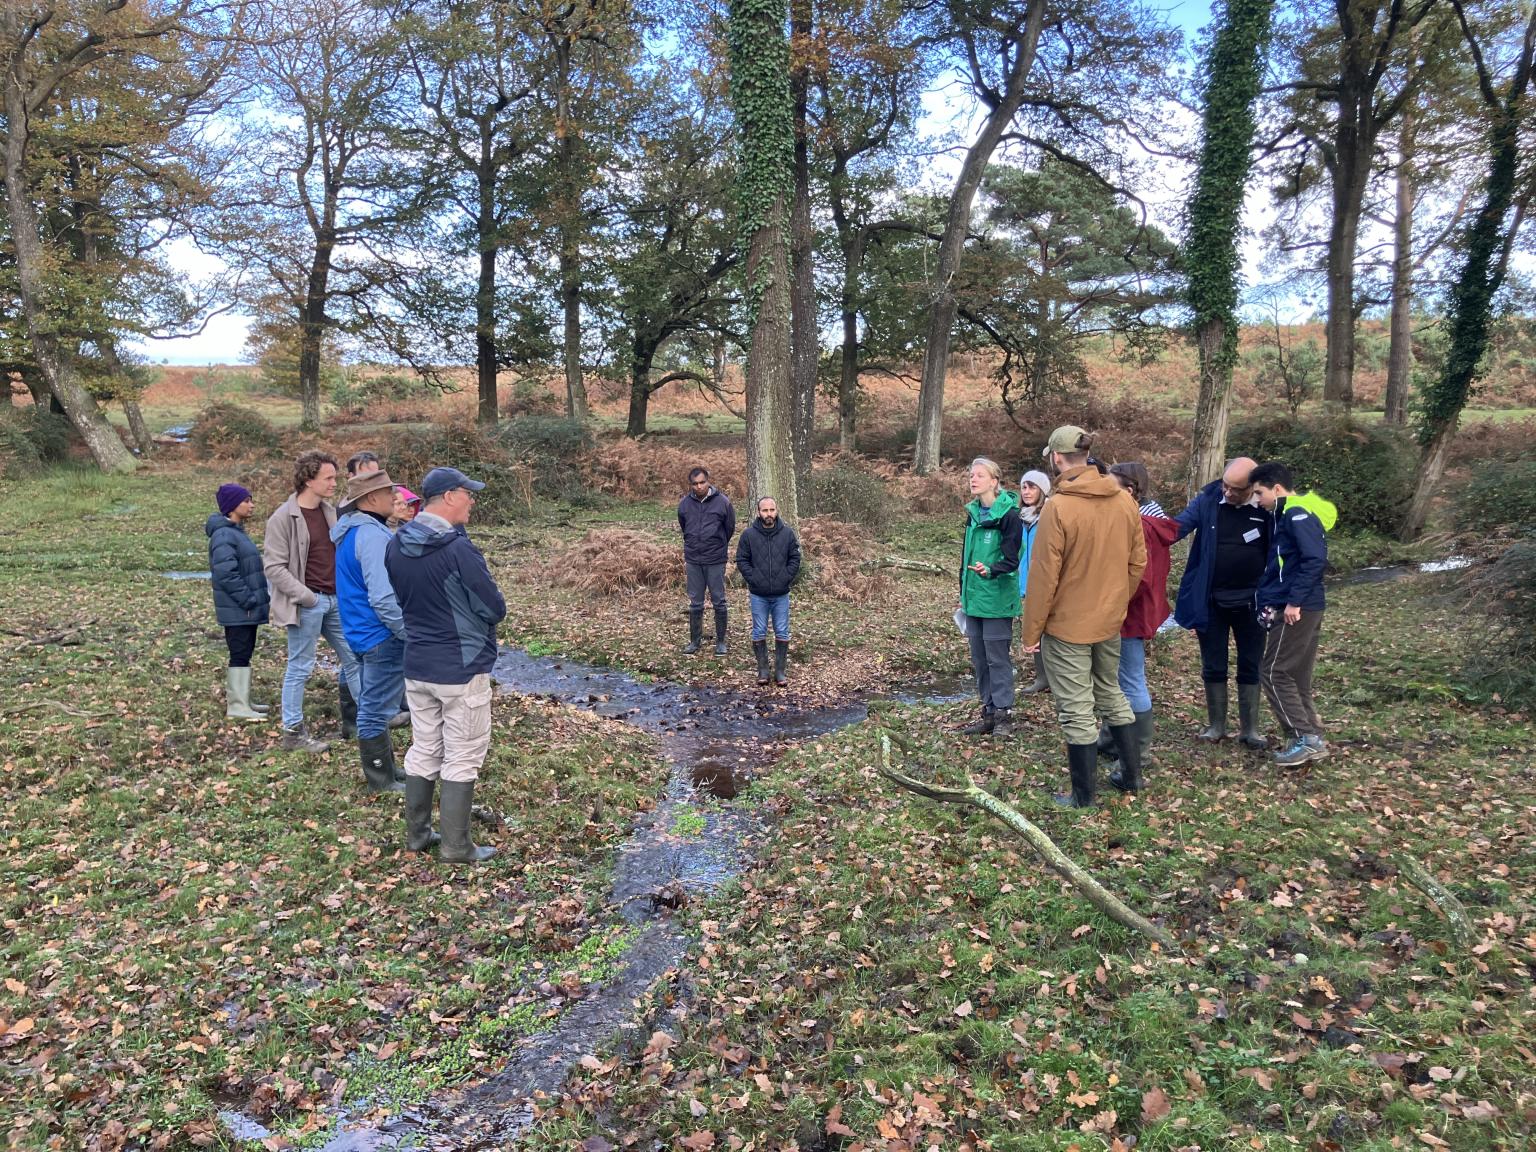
(324,619)
(1133,674)
(764,607)
(382,671)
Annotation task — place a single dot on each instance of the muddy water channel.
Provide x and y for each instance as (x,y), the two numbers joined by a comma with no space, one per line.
(714,741)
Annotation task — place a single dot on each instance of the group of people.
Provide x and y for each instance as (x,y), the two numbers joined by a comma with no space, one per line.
(406,601)
(1084,559)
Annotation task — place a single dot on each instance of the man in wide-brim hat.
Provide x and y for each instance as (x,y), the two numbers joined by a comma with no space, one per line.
(371,621)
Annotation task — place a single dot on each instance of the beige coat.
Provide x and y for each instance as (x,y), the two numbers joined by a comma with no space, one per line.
(285,551)
(1087,560)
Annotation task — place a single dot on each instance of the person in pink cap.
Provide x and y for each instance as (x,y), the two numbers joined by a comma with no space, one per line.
(407,504)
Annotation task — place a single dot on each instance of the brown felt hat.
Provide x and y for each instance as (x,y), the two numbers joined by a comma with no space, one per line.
(360,486)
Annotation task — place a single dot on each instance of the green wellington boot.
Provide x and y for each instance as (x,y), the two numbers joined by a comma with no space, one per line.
(419,835)
(454,803)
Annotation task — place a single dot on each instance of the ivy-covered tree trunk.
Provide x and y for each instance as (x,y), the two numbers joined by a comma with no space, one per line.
(760,96)
(1233,73)
(1482,273)
(804,336)
(1400,351)
(942,305)
(48,353)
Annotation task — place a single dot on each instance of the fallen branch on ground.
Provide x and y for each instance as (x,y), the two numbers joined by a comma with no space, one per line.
(1450,907)
(903,563)
(1058,861)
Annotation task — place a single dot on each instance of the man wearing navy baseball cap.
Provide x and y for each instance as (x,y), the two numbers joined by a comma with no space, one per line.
(451,607)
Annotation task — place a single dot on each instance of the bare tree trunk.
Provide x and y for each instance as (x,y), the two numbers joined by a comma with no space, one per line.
(33,379)
(52,360)
(770,393)
(1339,372)
(1400,355)
(1431,469)
(570,239)
(848,372)
(804,342)
(941,309)
(641,355)
(312,335)
(489,409)
(1208,454)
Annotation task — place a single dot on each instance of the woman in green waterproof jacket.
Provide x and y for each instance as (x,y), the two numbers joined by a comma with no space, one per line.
(989,593)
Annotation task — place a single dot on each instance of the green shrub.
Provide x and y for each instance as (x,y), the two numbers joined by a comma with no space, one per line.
(31,437)
(1366,469)
(1499,496)
(229,430)
(852,495)
(1501,662)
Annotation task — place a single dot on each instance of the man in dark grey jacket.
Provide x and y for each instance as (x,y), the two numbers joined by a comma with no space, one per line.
(768,558)
(707,521)
(451,607)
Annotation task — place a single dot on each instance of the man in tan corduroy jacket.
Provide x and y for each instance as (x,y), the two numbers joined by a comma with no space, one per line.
(1086,562)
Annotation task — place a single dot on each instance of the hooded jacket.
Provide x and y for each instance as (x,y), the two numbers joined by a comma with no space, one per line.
(768,558)
(370,611)
(707,526)
(1298,555)
(1148,608)
(1089,554)
(240,594)
(448,598)
(993,537)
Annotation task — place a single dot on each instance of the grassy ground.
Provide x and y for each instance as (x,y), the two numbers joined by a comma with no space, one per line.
(194,918)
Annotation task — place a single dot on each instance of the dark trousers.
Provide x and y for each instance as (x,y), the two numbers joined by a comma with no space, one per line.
(702,577)
(241,639)
(1289,657)
(1242,624)
(990,640)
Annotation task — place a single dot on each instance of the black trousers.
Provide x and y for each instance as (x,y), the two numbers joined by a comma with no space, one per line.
(241,639)
(1242,624)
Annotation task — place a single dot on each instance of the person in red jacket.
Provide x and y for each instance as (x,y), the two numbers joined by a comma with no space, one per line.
(1143,616)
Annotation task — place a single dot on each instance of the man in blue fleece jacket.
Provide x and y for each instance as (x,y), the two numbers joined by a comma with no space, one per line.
(1290,604)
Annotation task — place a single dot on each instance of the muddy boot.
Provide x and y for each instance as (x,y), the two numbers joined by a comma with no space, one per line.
(981,726)
(1127,777)
(760,650)
(780,659)
(299,740)
(1039,684)
(454,802)
(348,712)
(237,695)
(1106,745)
(1144,735)
(418,814)
(695,631)
(1215,712)
(378,756)
(1248,714)
(720,647)
(1002,722)
(1083,761)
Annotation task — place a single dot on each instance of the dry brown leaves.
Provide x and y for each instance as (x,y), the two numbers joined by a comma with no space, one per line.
(613,560)
(635,469)
(833,552)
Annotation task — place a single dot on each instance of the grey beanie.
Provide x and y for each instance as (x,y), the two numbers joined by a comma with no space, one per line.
(1039,479)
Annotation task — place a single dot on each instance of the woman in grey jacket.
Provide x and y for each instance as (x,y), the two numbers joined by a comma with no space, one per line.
(241,598)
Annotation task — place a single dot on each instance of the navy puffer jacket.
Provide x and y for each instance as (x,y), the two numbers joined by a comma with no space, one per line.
(768,558)
(240,593)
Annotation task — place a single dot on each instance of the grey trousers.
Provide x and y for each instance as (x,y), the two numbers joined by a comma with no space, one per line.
(1286,673)
(702,577)
(990,639)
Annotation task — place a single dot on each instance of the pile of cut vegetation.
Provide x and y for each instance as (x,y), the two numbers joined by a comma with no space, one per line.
(638,469)
(838,560)
(611,560)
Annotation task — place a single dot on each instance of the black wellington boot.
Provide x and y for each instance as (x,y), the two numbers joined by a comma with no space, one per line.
(1083,760)
(378,756)
(1106,745)
(1127,777)
(1248,714)
(981,726)
(780,660)
(1002,722)
(348,712)
(695,631)
(418,814)
(1215,713)
(760,650)
(454,803)
(720,647)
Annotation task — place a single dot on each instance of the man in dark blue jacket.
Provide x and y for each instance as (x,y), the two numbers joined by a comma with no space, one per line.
(1290,602)
(708,522)
(768,558)
(1215,598)
(451,607)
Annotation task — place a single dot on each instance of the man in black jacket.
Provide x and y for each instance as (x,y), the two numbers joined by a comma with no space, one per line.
(768,558)
(708,522)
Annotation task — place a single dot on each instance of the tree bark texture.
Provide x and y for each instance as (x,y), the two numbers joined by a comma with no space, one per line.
(312,335)
(804,339)
(941,308)
(642,355)
(770,392)
(1400,353)
(51,357)
(570,238)
(1212,411)
(489,409)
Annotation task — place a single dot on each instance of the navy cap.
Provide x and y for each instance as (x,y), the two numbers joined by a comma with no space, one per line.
(441,480)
